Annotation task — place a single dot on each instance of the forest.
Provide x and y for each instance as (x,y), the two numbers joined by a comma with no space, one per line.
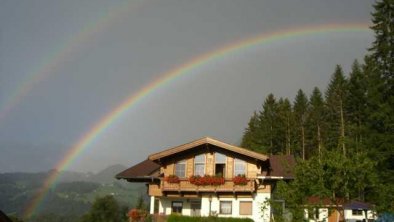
(343,137)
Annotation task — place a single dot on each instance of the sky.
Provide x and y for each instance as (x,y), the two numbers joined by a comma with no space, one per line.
(66,65)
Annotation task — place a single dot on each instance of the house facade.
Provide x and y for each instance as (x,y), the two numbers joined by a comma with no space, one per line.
(209,177)
(325,210)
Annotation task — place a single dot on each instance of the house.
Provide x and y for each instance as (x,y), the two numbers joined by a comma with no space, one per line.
(209,177)
(327,210)
(323,209)
(357,211)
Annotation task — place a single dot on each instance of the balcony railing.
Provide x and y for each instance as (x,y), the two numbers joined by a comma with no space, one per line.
(228,186)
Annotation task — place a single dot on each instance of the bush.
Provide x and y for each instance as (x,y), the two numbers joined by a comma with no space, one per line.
(179,218)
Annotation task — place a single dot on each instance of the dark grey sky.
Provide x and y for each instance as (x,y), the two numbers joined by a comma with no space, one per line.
(78,60)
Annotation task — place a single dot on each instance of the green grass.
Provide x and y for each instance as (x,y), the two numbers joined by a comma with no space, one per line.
(179,218)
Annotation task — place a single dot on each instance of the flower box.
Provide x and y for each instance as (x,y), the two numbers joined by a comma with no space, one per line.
(172,179)
(206,180)
(240,180)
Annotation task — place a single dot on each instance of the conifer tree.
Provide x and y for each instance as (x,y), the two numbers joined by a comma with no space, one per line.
(383,46)
(268,125)
(356,105)
(316,121)
(300,115)
(335,102)
(251,138)
(285,125)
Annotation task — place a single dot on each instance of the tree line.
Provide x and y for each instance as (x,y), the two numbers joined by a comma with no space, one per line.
(344,136)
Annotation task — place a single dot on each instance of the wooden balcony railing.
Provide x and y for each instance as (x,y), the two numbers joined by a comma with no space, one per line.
(228,186)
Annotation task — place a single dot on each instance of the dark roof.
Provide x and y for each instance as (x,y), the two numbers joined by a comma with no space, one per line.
(357,205)
(282,166)
(4,218)
(325,201)
(143,171)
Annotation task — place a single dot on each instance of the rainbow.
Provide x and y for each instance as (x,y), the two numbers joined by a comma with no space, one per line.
(100,127)
(55,59)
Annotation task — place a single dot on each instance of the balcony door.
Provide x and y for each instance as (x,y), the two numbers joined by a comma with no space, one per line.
(220,164)
(195,208)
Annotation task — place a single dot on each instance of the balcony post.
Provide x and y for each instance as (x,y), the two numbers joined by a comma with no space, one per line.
(152,205)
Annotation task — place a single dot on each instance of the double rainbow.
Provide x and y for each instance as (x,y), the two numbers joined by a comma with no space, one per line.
(100,127)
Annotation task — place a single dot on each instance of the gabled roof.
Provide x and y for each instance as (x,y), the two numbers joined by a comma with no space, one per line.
(143,171)
(206,140)
(325,201)
(357,205)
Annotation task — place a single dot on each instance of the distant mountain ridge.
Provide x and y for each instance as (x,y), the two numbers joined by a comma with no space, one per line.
(73,194)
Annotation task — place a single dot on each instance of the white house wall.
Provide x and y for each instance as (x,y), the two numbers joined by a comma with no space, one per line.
(353,218)
(260,212)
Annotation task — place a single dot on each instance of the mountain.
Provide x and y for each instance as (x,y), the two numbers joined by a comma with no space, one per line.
(72,195)
(108,174)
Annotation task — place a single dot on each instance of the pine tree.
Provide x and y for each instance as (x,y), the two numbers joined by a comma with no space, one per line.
(316,121)
(356,105)
(383,46)
(251,138)
(335,102)
(284,125)
(268,125)
(300,115)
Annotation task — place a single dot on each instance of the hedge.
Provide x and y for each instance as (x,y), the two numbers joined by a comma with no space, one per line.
(179,218)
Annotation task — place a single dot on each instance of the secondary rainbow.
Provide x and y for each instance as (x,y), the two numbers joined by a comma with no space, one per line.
(100,127)
(56,58)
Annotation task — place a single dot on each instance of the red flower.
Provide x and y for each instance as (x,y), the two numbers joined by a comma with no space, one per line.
(240,180)
(206,180)
(172,179)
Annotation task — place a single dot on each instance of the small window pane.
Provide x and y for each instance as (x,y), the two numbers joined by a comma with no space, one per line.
(245,208)
(177,206)
(225,207)
(199,158)
(239,167)
(199,169)
(180,169)
(220,158)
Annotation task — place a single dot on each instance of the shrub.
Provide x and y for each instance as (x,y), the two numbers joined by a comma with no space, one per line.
(179,218)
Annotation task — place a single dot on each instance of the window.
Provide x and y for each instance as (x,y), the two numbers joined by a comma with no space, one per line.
(195,207)
(220,164)
(239,167)
(177,206)
(226,207)
(357,212)
(180,169)
(199,165)
(245,207)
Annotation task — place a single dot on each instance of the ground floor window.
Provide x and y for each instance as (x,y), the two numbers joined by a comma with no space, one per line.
(195,208)
(177,206)
(226,207)
(357,212)
(245,207)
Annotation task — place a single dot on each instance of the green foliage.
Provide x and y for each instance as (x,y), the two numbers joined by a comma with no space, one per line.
(179,218)
(105,209)
(333,176)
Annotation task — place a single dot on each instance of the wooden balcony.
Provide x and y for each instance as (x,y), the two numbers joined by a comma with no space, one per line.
(185,186)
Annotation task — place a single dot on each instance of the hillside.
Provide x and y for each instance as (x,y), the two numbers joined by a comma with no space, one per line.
(73,194)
